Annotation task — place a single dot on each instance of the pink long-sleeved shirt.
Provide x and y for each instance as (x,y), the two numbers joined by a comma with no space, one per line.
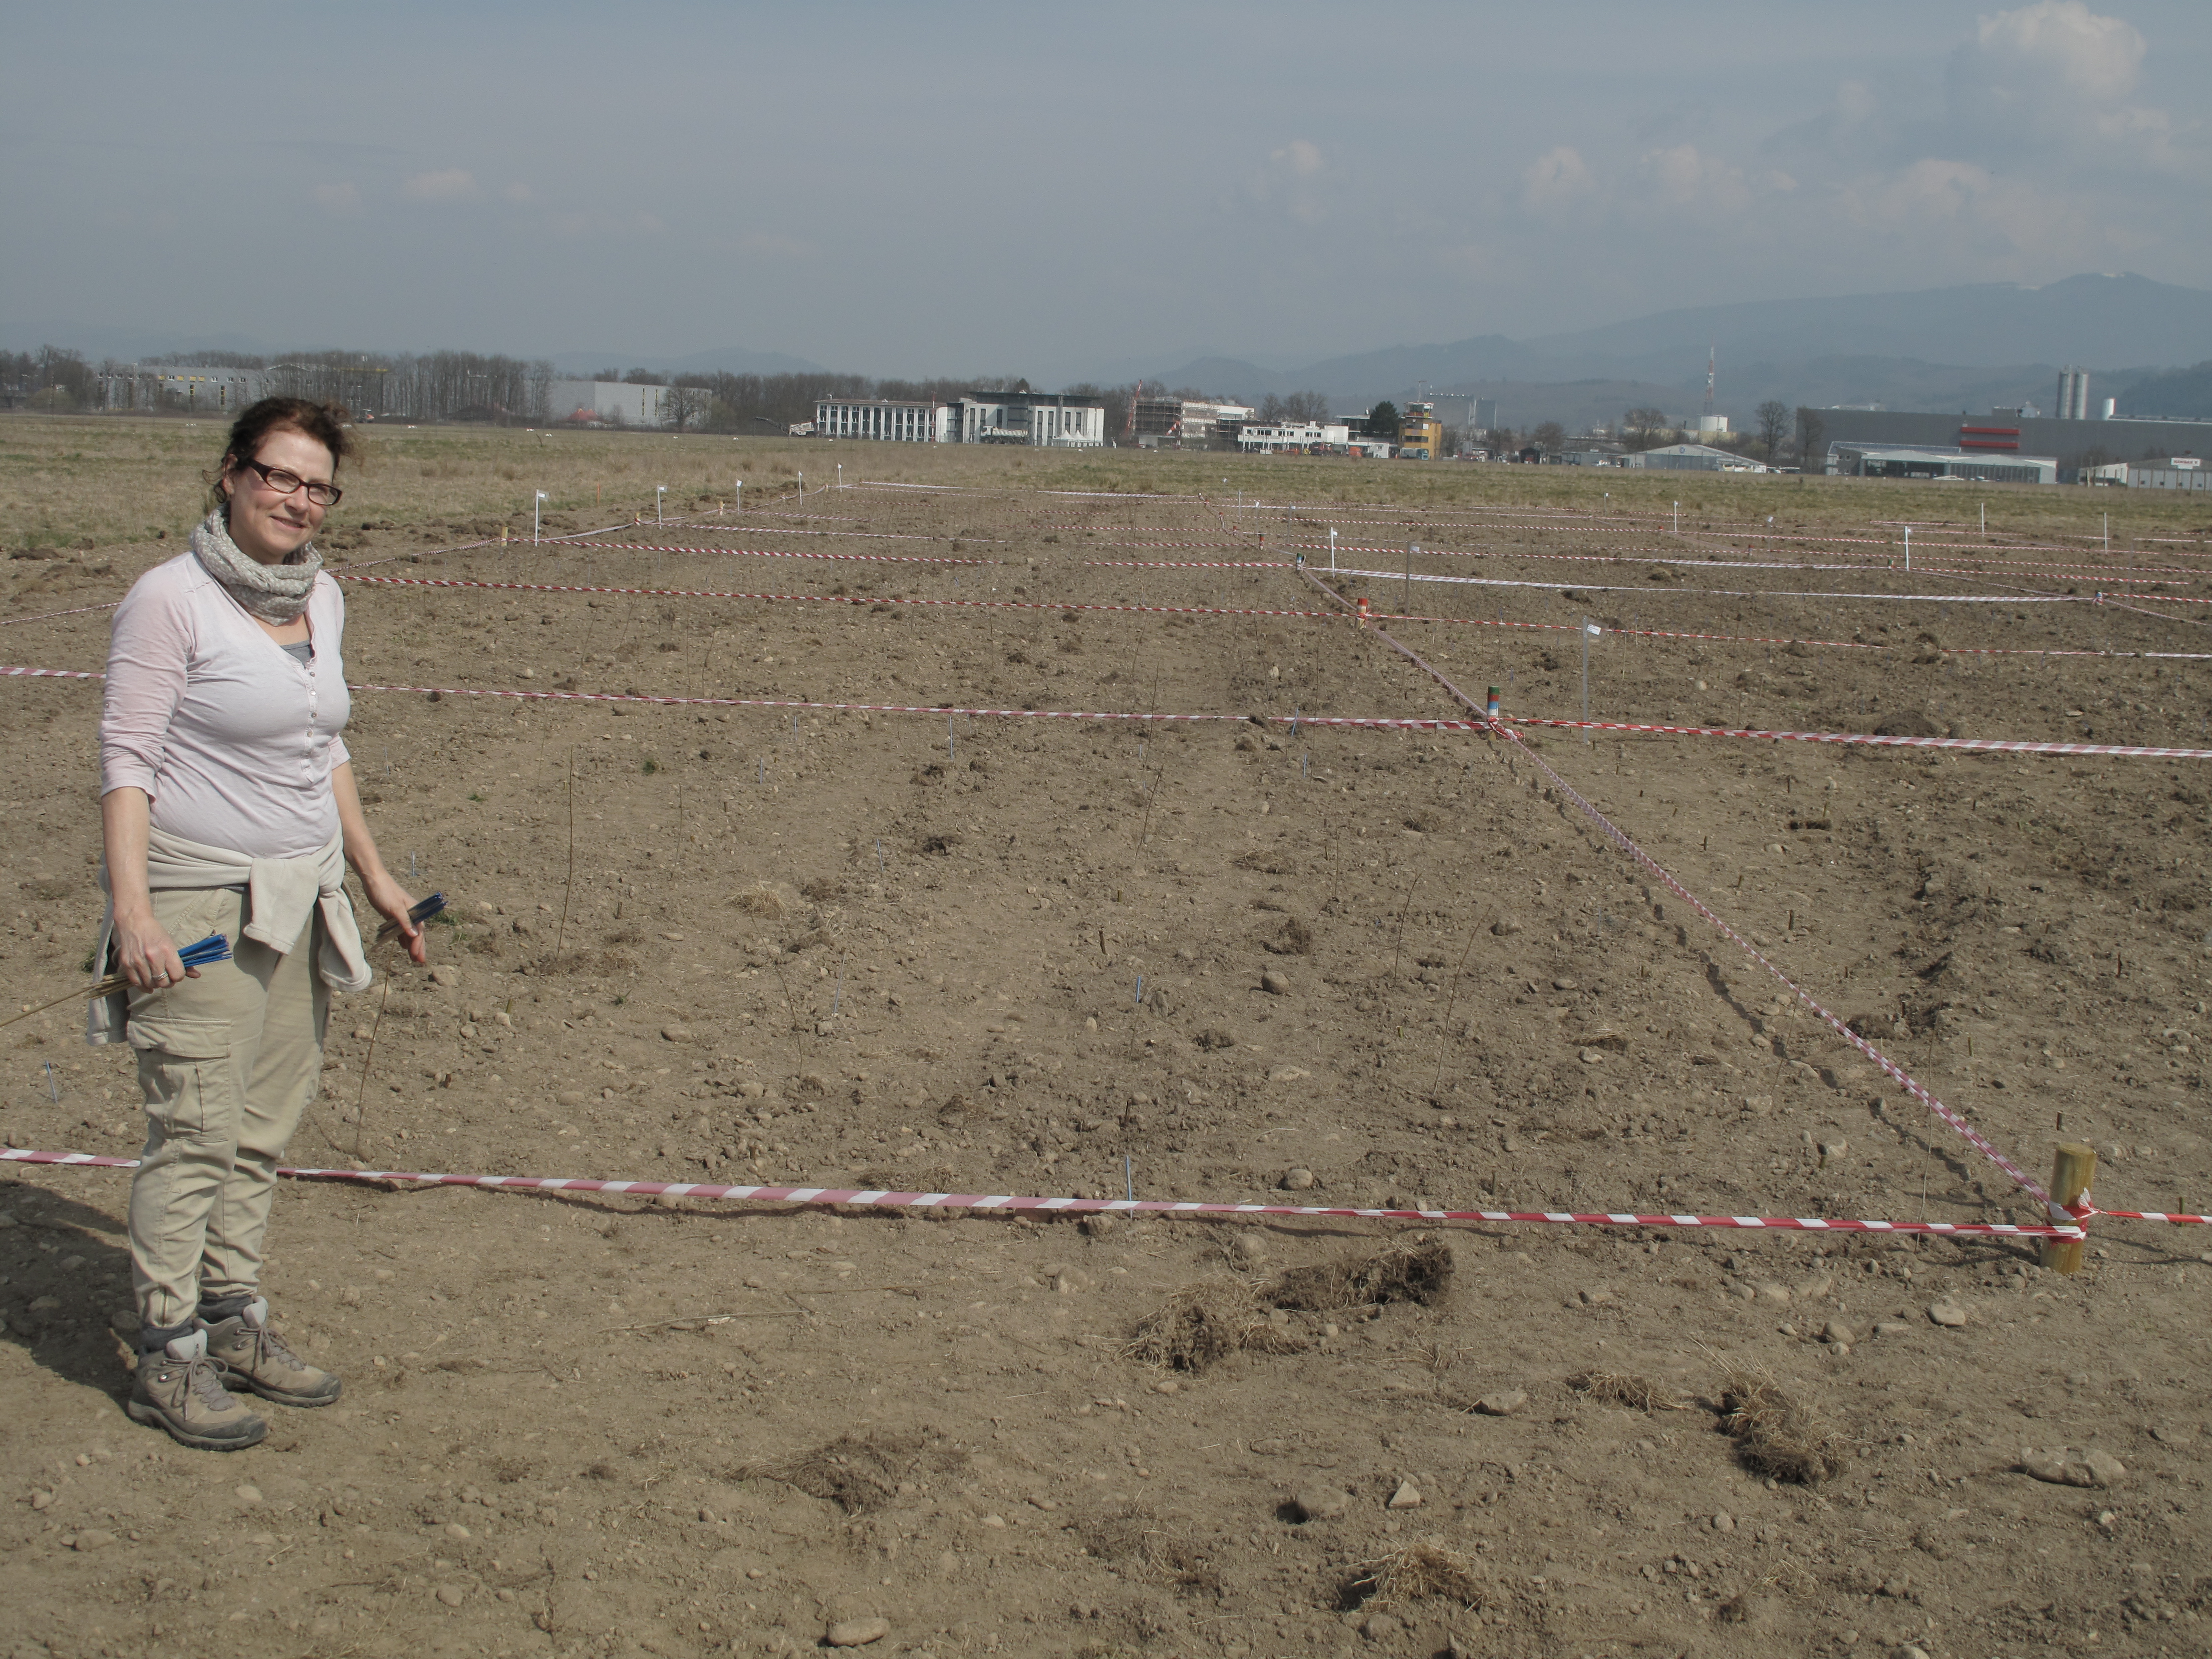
(231,739)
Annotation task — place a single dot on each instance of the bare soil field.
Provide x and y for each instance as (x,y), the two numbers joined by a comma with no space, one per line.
(1211,960)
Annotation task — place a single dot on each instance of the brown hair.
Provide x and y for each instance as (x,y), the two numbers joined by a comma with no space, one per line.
(323,423)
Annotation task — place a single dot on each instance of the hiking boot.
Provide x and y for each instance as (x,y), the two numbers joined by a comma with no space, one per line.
(180,1389)
(253,1354)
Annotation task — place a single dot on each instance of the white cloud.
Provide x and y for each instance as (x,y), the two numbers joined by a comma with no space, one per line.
(1301,158)
(518,192)
(336,199)
(2063,78)
(452,185)
(1294,181)
(2055,46)
(1560,178)
(1684,176)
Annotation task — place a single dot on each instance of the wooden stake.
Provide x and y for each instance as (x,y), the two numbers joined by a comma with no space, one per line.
(2071,1172)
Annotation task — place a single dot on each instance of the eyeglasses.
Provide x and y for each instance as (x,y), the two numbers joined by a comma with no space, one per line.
(285,484)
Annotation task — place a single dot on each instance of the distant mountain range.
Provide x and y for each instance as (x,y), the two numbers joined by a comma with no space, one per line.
(1938,349)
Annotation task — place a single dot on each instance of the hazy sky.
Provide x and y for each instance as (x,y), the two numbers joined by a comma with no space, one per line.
(1059,190)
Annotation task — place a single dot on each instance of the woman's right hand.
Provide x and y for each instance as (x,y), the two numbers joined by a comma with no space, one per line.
(146,956)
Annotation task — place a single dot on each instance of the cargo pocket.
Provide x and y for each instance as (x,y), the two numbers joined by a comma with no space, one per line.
(185,1071)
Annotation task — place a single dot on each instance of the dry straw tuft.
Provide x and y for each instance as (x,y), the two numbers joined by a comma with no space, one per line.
(1130,1537)
(1775,1433)
(1622,1388)
(1203,1324)
(759,901)
(1418,1573)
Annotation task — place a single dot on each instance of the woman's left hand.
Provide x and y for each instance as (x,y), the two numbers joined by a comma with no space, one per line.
(393,903)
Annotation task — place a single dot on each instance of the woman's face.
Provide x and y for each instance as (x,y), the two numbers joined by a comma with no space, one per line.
(266,525)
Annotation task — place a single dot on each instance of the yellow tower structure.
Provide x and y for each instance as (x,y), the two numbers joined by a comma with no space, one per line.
(1420,434)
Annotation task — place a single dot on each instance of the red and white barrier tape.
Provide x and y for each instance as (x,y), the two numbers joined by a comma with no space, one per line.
(1974,1137)
(868,600)
(1384,723)
(2002,745)
(1747,592)
(778,553)
(2125,576)
(1187,564)
(879,1199)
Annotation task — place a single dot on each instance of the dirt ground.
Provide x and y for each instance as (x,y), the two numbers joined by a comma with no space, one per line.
(1027,955)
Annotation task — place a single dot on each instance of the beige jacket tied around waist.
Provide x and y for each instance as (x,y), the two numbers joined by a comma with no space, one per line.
(280,891)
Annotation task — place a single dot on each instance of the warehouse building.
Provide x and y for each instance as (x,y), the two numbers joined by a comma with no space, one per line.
(2178,472)
(2077,443)
(1936,464)
(1693,458)
(187,388)
(616,403)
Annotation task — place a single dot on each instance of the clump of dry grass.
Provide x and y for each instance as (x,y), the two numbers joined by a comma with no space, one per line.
(1129,1536)
(1413,1270)
(1622,1388)
(759,901)
(1775,1433)
(1417,1573)
(1203,1324)
(858,1472)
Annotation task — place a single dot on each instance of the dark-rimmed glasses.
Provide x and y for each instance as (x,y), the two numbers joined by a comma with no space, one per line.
(286,484)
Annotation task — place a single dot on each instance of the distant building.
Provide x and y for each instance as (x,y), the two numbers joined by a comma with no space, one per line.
(1042,419)
(1485,415)
(189,388)
(1420,433)
(1710,427)
(1183,423)
(1045,420)
(2077,443)
(2179,472)
(886,420)
(1292,437)
(1693,458)
(2073,395)
(1935,464)
(612,403)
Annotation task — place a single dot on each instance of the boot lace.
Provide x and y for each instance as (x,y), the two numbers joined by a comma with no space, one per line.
(203,1377)
(268,1346)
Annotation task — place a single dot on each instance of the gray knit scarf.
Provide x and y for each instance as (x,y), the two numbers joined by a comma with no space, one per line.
(274,592)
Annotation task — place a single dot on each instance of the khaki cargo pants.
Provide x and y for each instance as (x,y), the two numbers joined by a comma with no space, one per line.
(228,1062)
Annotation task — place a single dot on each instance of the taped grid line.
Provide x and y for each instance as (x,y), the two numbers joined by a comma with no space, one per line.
(882,1198)
(1480,726)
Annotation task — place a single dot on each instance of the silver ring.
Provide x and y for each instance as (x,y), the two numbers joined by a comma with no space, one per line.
(160,978)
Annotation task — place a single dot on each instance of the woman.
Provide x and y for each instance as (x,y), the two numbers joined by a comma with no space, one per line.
(228,806)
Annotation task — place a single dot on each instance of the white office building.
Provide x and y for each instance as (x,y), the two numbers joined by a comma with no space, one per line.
(1044,420)
(1292,437)
(886,420)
